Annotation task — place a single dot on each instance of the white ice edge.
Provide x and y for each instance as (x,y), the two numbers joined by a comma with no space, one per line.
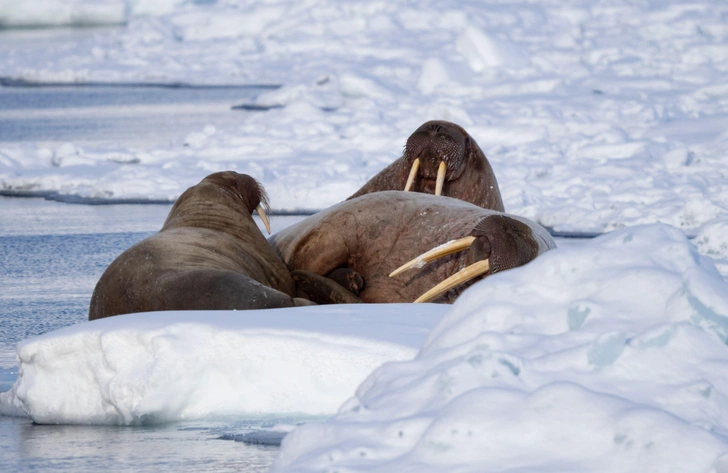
(167,366)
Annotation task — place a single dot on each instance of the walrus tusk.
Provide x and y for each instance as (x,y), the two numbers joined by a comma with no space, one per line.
(436,253)
(263,217)
(462,276)
(440,177)
(412,174)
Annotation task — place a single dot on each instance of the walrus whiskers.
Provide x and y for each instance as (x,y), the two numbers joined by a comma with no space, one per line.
(464,275)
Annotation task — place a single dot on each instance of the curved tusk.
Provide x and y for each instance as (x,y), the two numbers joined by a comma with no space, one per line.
(263,217)
(462,276)
(440,178)
(436,253)
(412,174)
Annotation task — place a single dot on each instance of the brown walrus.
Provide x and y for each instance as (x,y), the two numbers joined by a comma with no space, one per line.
(374,234)
(441,158)
(209,254)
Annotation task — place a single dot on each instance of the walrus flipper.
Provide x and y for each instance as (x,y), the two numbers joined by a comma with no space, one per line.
(322,290)
(214,289)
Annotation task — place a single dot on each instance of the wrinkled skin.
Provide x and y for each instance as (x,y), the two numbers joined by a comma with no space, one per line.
(210,254)
(376,233)
(469,176)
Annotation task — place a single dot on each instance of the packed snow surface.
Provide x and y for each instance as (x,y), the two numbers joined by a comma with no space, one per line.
(605,357)
(594,115)
(167,366)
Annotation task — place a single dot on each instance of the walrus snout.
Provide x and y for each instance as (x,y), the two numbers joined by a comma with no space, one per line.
(505,241)
(440,158)
(436,151)
(495,244)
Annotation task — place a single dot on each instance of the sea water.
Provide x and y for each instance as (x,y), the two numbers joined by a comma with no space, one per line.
(51,255)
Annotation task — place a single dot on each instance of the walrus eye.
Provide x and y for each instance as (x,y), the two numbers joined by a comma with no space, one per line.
(464,275)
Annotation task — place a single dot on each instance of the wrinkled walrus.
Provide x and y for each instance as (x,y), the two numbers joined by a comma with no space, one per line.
(375,234)
(441,158)
(209,254)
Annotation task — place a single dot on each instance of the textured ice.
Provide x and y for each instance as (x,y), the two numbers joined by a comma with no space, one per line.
(166,366)
(605,357)
(594,116)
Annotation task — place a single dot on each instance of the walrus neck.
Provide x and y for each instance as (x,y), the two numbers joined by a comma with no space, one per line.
(227,214)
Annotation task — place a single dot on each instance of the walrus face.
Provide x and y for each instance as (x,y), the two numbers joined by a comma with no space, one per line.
(496,243)
(245,188)
(437,150)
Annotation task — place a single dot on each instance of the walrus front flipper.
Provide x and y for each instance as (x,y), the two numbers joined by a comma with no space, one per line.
(323,290)
(348,279)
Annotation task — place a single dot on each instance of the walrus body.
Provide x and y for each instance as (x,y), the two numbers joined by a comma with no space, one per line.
(466,173)
(209,254)
(375,233)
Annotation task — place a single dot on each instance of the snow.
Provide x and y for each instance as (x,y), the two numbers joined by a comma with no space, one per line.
(170,366)
(43,13)
(594,116)
(614,361)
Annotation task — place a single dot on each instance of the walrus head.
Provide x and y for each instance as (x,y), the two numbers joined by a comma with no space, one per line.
(496,243)
(437,150)
(237,189)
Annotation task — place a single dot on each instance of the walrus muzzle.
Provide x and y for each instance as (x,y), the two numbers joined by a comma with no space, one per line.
(434,149)
(496,243)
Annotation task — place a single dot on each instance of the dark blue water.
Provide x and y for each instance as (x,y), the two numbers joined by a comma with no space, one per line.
(193,446)
(47,280)
(129,114)
(27,98)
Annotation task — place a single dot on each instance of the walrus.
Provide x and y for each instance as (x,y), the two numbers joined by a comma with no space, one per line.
(441,158)
(375,234)
(209,254)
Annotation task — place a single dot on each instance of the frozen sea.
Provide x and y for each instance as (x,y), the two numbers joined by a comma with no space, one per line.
(604,118)
(51,255)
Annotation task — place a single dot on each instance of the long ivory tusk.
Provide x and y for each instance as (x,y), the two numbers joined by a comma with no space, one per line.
(412,174)
(462,276)
(436,253)
(263,217)
(440,178)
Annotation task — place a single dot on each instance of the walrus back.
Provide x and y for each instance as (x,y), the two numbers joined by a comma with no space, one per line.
(189,269)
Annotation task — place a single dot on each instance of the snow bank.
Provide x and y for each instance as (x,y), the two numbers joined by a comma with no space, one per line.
(600,358)
(166,366)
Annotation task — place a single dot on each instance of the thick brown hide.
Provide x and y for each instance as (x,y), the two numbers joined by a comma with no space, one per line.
(210,254)
(469,176)
(376,233)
